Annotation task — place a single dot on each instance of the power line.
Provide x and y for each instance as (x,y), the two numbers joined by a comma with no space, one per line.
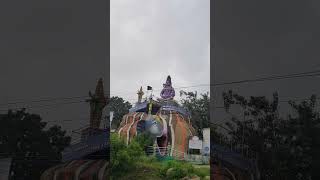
(46,99)
(57,104)
(46,106)
(269,78)
(282,101)
(42,100)
(76,102)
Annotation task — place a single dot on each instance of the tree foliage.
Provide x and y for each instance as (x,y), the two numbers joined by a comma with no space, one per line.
(285,148)
(32,148)
(120,107)
(199,109)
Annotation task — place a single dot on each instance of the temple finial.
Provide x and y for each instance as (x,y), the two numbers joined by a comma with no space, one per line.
(140,94)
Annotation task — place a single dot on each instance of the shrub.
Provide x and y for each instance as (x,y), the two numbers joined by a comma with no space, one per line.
(123,157)
(120,158)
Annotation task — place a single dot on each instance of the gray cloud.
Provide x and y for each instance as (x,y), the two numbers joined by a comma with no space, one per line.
(52,49)
(151,39)
(264,38)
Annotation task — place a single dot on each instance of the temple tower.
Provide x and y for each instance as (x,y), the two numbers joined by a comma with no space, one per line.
(97,103)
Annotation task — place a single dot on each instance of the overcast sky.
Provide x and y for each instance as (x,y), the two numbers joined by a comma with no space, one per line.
(52,49)
(151,39)
(264,38)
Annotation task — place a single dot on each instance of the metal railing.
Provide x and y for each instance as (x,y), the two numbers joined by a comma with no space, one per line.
(176,154)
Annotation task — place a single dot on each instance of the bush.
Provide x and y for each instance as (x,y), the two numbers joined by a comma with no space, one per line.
(120,158)
(123,157)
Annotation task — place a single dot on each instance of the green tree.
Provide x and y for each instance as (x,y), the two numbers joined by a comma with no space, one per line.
(199,109)
(120,107)
(32,148)
(301,139)
(285,148)
(255,129)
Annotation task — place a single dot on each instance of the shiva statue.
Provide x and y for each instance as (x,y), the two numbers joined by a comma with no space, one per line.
(167,92)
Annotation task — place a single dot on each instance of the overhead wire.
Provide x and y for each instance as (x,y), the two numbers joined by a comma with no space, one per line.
(269,78)
(46,106)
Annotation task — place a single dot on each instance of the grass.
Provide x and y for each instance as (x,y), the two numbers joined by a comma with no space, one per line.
(202,170)
(150,168)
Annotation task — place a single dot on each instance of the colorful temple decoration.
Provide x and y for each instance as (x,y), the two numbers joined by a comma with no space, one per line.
(164,120)
(87,159)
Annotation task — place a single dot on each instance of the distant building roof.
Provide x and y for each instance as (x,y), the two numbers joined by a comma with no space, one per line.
(94,142)
(233,158)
